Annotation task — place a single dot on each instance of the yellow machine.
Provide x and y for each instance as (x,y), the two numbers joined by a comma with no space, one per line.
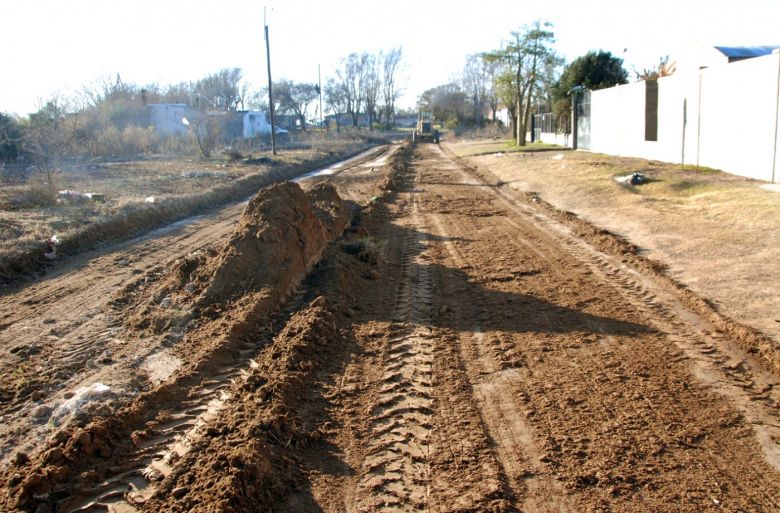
(424,130)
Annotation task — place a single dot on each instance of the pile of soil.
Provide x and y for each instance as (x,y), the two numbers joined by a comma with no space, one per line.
(219,298)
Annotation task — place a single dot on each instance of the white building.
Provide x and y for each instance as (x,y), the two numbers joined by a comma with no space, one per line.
(166,118)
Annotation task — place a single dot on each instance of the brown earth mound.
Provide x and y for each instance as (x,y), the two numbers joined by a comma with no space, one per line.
(220,299)
(278,235)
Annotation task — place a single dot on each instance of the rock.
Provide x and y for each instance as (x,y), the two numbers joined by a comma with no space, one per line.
(41,411)
(21,458)
(68,395)
(38,395)
(320,301)
(15,479)
(179,492)
(166,302)
(190,288)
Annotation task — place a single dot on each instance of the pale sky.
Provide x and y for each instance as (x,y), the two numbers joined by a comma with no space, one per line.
(59,46)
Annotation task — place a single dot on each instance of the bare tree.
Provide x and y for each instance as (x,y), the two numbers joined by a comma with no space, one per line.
(372,88)
(295,98)
(390,91)
(219,91)
(475,84)
(351,76)
(207,129)
(336,99)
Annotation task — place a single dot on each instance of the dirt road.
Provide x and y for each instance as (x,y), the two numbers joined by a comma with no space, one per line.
(458,348)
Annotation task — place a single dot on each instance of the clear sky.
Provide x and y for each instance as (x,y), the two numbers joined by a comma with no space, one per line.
(60,46)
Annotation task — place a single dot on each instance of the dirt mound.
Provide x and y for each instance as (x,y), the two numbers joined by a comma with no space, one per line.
(278,235)
(326,204)
(252,447)
(220,298)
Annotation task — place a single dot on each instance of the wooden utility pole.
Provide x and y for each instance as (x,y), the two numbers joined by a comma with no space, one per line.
(319,88)
(270,87)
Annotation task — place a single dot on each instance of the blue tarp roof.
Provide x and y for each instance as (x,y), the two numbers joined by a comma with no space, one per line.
(744,52)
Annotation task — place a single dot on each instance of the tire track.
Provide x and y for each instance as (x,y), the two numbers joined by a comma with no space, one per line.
(174,432)
(716,362)
(396,470)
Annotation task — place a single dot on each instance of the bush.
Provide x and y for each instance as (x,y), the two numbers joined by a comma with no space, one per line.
(130,141)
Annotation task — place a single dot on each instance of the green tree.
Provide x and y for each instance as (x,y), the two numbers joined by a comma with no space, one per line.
(522,63)
(594,70)
(10,138)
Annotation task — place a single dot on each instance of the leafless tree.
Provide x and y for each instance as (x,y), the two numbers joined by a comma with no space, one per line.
(390,91)
(475,82)
(220,90)
(372,86)
(335,99)
(207,129)
(351,76)
(295,98)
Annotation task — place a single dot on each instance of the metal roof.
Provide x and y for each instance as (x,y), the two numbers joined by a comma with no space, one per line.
(745,52)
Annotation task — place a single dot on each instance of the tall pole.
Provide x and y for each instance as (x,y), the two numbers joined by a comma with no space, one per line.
(319,79)
(270,87)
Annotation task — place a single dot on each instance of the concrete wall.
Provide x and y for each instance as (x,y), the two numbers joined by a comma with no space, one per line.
(725,117)
(167,118)
(552,138)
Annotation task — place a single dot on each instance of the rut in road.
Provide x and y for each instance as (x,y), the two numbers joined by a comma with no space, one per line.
(396,470)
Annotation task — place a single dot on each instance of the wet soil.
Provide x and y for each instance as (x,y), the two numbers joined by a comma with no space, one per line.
(447,346)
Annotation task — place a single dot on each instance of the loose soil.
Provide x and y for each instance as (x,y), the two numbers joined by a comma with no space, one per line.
(436,343)
(717,233)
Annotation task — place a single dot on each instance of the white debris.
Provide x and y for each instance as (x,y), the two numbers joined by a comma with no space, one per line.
(81,397)
(632,179)
(51,247)
(149,199)
(166,302)
(499,154)
(558,156)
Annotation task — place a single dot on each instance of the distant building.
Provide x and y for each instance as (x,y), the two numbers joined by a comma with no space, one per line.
(166,118)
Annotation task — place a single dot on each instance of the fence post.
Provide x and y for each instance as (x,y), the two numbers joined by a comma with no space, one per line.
(573,122)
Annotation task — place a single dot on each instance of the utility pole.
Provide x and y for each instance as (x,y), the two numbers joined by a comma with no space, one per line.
(270,86)
(319,80)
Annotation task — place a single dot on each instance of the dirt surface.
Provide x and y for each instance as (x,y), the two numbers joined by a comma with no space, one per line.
(433,343)
(718,233)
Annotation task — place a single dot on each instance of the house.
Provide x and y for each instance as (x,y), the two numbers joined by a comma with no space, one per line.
(502,115)
(166,118)
(405,121)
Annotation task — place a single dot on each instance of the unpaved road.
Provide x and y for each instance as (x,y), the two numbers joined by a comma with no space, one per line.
(458,348)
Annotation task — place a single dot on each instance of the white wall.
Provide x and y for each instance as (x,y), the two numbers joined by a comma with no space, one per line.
(255,124)
(552,138)
(723,117)
(167,118)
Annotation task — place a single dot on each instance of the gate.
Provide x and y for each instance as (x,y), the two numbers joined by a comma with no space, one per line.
(583,119)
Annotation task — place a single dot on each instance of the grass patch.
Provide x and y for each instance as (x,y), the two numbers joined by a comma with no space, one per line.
(478,148)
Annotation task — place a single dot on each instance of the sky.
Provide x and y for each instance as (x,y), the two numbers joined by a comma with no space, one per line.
(61,46)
